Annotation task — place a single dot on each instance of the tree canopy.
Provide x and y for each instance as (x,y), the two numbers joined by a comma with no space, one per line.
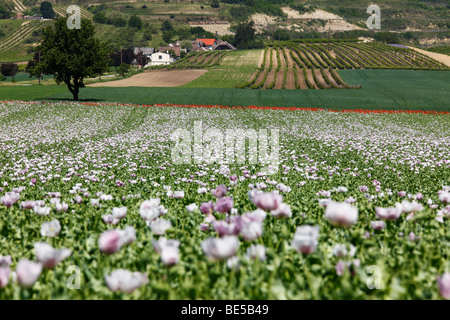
(135,22)
(72,54)
(47,11)
(9,69)
(245,34)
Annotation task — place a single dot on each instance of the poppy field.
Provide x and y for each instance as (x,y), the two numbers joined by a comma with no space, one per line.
(94,206)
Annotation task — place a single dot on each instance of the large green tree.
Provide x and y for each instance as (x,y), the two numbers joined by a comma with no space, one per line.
(72,54)
(47,10)
(245,34)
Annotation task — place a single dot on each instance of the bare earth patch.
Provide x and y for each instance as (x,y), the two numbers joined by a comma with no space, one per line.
(436,56)
(334,22)
(173,78)
(221,29)
(262,21)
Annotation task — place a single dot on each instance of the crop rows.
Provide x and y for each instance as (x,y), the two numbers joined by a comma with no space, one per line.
(16,42)
(62,11)
(294,67)
(18,6)
(196,60)
(313,65)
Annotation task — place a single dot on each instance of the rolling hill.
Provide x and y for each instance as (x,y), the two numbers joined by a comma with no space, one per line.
(417,22)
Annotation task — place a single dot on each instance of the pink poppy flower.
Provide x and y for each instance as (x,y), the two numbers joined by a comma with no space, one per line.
(267,201)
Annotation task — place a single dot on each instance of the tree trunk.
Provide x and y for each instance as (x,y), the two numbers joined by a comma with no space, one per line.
(74,89)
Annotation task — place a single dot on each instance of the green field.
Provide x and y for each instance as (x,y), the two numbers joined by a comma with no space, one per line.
(235,68)
(381,89)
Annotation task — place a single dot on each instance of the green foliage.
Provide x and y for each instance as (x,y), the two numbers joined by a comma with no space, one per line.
(199,32)
(128,139)
(166,26)
(5,13)
(147,35)
(9,69)
(167,36)
(72,54)
(245,35)
(241,13)
(122,56)
(440,49)
(281,35)
(135,22)
(100,17)
(386,37)
(215,4)
(269,7)
(123,69)
(99,8)
(47,11)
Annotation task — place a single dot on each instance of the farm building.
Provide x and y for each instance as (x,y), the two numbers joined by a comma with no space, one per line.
(223,45)
(33,17)
(198,46)
(160,58)
(207,44)
(175,48)
(145,51)
(211,44)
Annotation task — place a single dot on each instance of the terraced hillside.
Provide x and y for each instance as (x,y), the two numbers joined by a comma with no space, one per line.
(16,47)
(61,10)
(18,6)
(294,65)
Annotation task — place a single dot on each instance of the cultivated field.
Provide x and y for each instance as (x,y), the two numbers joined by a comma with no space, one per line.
(196,60)
(169,79)
(314,65)
(92,199)
(16,47)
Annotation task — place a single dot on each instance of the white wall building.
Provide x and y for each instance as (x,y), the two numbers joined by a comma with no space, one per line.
(160,58)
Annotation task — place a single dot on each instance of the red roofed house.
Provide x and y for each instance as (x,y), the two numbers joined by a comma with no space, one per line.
(207,43)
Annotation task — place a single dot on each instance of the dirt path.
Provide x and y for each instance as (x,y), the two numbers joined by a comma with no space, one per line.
(334,84)
(208,59)
(274,59)
(268,58)
(311,57)
(279,81)
(290,81)
(261,77)
(270,78)
(290,62)
(443,58)
(301,79)
(318,57)
(261,58)
(194,58)
(301,61)
(320,78)
(155,79)
(282,60)
(311,79)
